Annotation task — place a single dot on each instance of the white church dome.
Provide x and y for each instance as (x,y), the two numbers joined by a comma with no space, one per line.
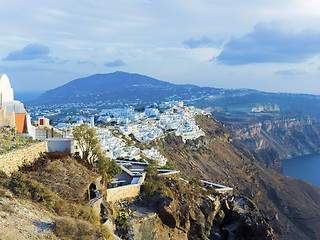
(6,92)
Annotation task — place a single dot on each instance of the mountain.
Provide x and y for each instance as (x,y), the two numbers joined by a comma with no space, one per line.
(117,86)
(121,88)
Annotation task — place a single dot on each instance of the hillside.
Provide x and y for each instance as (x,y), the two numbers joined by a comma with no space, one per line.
(291,205)
(121,88)
(117,86)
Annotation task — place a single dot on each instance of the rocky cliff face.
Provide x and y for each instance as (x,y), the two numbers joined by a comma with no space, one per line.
(291,205)
(191,214)
(276,138)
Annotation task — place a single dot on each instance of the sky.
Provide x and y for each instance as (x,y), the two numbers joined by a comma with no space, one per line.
(269,45)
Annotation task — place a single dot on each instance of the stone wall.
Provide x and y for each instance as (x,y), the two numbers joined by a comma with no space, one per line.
(115,194)
(11,161)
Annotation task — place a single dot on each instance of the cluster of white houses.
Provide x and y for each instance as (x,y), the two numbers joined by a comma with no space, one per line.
(173,116)
(151,123)
(116,148)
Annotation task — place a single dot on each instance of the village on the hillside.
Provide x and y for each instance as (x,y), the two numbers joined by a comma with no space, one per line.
(112,126)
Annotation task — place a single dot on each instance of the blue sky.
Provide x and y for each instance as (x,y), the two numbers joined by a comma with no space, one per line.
(266,45)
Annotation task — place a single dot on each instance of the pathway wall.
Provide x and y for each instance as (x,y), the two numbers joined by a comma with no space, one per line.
(11,161)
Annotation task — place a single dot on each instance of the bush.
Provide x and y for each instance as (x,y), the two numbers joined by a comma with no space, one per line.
(68,228)
(21,186)
(195,181)
(65,227)
(151,170)
(3,178)
(155,183)
(43,160)
(168,166)
(85,229)
(110,167)
(90,215)
(123,219)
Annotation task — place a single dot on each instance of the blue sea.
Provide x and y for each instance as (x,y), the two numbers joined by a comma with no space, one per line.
(26,96)
(306,168)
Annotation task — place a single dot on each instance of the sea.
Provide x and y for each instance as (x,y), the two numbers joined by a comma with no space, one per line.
(25,97)
(305,167)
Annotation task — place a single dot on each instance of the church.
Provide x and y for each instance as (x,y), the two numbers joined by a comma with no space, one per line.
(13,112)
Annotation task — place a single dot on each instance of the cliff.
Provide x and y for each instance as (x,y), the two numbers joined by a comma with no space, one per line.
(280,137)
(291,205)
(170,208)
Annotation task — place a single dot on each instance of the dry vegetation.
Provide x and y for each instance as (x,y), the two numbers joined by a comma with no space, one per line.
(58,183)
(62,174)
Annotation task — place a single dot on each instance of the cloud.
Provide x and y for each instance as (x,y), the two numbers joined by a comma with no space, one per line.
(29,52)
(195,43)
(116,63)
(271,43)
(290,72)
(82,62)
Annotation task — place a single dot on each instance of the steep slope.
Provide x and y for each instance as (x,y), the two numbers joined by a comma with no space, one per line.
(291,205)
(23,219)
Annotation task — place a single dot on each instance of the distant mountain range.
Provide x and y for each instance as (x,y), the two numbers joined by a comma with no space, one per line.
(121,88)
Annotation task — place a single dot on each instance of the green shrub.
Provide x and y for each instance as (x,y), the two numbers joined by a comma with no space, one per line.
(107,166)
(154,183)
(195,181)
(123,219)
(151,170)
(168,166)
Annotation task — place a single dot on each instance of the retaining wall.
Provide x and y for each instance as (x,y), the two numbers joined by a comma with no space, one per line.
(10,161)
(115,194)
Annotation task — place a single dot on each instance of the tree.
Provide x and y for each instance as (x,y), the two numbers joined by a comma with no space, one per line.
(87,140)
(108,167)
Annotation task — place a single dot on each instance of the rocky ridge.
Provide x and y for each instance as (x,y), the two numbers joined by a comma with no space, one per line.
(213,218)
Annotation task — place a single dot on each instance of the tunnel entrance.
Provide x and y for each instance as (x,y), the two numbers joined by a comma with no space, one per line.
(92,190)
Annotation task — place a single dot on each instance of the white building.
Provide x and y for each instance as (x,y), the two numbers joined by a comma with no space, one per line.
(6,91)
